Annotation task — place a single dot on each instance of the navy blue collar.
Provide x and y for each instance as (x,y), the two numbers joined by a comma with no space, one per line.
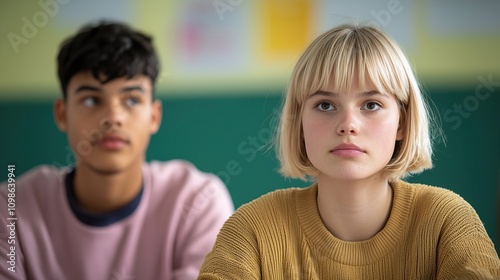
(98,220)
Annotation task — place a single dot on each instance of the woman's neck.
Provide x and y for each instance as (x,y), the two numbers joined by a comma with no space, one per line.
(354,210)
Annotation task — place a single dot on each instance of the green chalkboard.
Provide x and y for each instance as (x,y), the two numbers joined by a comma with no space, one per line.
(225,136)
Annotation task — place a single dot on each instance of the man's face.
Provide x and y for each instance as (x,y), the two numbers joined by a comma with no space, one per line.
(108,125)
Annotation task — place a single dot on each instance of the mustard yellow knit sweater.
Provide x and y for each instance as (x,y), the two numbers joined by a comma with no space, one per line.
(432,233)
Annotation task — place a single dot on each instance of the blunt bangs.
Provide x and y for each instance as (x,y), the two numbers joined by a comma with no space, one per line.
(351,57)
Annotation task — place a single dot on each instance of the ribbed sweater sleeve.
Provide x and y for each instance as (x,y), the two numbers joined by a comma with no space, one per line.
(465,250)
(237,251)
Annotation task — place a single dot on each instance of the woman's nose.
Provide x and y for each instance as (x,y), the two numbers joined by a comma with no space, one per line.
(348,123)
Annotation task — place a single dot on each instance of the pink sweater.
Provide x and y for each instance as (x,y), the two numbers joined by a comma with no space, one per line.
(167,236)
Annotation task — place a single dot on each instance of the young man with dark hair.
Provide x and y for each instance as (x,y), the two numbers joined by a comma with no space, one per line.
(111,215)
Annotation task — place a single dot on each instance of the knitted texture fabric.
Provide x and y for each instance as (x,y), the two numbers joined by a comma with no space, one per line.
(432,233)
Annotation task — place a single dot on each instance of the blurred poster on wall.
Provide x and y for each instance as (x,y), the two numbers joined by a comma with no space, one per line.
(285,27)
(396,17)
(262,39)
(210,37)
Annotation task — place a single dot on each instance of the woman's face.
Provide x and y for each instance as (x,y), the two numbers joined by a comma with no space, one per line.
(351,135)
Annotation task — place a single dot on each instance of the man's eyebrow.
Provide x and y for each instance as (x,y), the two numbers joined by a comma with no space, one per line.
(99,90)
(88,88)
(133,88)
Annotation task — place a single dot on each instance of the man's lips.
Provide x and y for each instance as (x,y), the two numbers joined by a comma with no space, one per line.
(347,150)
(113,142)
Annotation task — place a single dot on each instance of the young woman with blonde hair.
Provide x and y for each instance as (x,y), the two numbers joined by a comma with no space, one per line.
(355,122)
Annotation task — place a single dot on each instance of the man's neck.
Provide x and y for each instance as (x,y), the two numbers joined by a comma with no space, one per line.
(99,192)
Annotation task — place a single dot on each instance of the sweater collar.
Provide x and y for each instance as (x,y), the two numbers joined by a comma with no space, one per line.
(362,252)
(102,219)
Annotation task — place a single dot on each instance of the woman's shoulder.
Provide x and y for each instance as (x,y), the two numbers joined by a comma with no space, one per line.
(439,201)
(274,199)
(430,193)
(272,206)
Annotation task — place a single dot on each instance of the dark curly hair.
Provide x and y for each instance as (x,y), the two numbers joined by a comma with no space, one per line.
(108,49)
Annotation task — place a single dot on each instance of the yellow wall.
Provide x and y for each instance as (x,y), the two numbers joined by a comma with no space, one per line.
(448,60)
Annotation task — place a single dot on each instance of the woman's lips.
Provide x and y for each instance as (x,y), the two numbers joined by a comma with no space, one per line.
(347,150)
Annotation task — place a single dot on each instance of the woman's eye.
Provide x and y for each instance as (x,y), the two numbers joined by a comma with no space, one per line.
(325,106)
(90,101)
(371,106)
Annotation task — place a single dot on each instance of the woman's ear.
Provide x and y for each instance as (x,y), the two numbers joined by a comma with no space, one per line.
(401,126)
(60,114)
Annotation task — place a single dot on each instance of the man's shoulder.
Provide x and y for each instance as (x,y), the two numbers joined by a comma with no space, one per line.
(171,166)
(45,176)
(176,171)
(179,183)
(180,176)
(35,191)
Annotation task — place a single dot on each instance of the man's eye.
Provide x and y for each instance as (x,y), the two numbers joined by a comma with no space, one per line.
(90,101)
(132,101)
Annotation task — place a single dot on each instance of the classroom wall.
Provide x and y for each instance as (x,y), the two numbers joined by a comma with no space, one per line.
(225,45)
(222,93)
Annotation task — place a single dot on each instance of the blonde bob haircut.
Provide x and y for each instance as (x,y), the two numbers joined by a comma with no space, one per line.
(340,57)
